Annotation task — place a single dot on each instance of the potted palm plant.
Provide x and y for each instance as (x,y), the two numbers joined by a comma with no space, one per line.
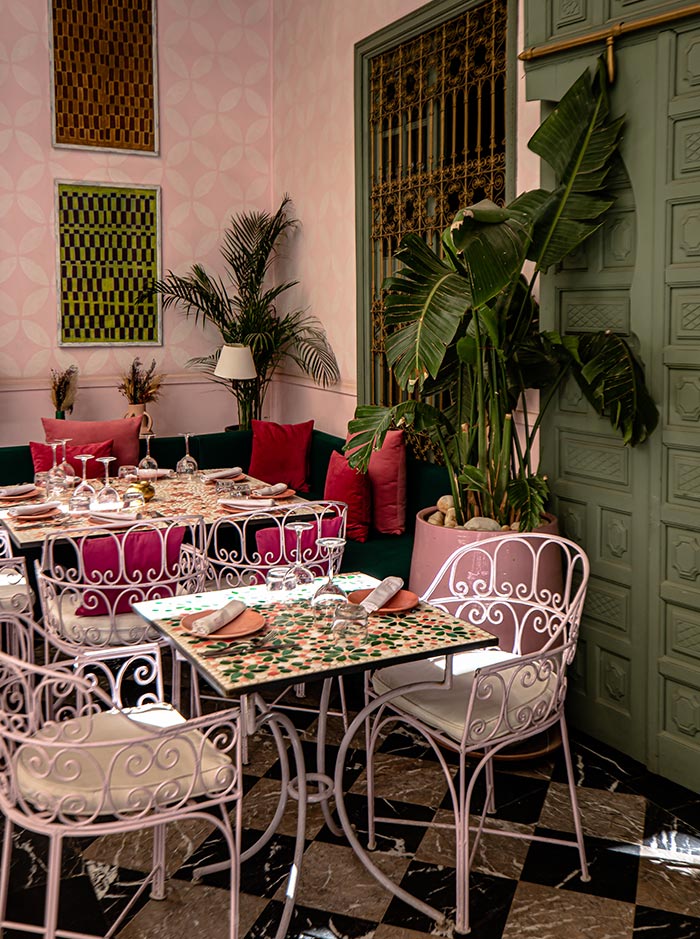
(243,307)
(464,323)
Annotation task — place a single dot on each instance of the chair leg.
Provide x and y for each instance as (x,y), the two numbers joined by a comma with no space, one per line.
(53,887)
(585,876)
(235,872)
(158,883)
(5,869)
(490,789)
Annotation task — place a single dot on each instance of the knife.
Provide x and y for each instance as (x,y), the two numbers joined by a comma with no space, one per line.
(381,594)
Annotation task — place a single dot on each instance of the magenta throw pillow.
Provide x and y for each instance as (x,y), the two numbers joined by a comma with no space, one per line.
(124,433)
(345,484)
(143,552)
(281,453)
(42,457)
(387,478)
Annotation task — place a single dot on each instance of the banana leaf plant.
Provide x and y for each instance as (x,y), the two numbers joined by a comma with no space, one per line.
(243,307)
(464,324)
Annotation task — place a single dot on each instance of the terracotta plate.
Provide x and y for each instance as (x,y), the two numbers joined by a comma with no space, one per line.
(226,479)
(36,516)
(248,623)
(14,500)
(401,602)
(286,494)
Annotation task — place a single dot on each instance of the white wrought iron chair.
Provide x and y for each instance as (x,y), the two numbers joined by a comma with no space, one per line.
(88,581)
(528,588)
(75,762)
(241,547)
(16,596)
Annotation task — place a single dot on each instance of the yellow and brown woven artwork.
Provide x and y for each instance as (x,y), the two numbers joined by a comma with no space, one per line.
(104,93)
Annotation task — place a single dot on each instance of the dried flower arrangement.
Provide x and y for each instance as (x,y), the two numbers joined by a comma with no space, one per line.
(64,387)
(139,385)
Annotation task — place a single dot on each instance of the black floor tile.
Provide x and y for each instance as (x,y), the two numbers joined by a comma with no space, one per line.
(518,798)
(394,839)
(613,866)
(658,924)
(308,923)
(490,900)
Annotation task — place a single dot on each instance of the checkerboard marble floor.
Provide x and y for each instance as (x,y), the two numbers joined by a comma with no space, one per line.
(642,838)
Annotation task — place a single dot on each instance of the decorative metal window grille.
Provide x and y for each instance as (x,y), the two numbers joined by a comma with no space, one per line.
(437,105)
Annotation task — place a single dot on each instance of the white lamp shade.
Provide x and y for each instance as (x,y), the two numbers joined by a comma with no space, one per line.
(236,362)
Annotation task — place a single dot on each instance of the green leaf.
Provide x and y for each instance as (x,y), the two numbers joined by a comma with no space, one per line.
(613,382)
(527,495)
(426,300)
(492,244)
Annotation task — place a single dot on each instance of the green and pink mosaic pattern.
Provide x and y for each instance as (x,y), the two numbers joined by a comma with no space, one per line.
(303,646)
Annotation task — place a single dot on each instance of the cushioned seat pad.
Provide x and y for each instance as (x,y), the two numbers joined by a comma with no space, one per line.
(111,775)
(446,710)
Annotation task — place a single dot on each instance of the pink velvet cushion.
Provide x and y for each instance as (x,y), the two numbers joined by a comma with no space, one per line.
(281,453)
(42,457)
(269,546)
(345,484)
(387,477)
(143,553)
(124,432)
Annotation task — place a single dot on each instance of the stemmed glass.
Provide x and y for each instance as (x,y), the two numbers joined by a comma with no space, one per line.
(56,480)
(83,494)
(68,470)
(329,592)
(148,462)
(186,465)
(108,495)
(302,574)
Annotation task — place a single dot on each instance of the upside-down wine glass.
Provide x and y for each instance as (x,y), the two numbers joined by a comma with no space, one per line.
(148,463)
(186,465)
(107,497)
(56,480)
(301,573)
(84,493)
(71,479)
(329,592)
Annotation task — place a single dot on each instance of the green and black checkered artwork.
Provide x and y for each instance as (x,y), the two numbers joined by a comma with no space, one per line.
(108,257)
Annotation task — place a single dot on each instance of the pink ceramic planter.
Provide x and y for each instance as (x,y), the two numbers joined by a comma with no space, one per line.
(433,544)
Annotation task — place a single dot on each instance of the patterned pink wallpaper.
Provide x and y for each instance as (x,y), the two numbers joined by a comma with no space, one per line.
(215,91)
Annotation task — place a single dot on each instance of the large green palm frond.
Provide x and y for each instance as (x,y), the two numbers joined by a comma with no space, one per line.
(427,300)
(198,294)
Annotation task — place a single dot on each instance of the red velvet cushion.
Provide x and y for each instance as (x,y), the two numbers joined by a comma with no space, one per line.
(345,484)
(281,453)
(124,432)
(42,457)
(143,551)
(269,547)
(387,477)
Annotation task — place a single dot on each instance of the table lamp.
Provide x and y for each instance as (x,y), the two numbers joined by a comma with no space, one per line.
(236,364)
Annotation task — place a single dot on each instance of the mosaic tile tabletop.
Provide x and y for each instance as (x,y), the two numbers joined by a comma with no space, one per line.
(303,646)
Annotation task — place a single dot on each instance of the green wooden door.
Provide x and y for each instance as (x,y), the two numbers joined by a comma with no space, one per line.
(637,512)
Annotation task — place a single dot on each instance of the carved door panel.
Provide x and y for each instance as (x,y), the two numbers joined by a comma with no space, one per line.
(637,512)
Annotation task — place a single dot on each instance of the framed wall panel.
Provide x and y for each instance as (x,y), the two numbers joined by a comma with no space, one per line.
(103,61)
(108,244)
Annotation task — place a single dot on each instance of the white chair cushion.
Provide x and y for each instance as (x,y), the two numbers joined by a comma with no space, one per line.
(15,595)
(446,710)
(94,769)
(121,629)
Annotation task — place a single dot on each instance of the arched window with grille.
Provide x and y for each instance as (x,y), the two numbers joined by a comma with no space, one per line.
(434,110)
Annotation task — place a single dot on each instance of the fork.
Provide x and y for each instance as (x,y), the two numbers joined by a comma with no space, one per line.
(242,645)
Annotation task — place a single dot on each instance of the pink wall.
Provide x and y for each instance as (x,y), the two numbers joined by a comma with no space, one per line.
(243,119)
(313,160)
(215,77)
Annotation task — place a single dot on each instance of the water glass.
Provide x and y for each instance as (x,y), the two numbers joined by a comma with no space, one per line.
(349,626)
(133,500)
(128,472)
(281,583)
